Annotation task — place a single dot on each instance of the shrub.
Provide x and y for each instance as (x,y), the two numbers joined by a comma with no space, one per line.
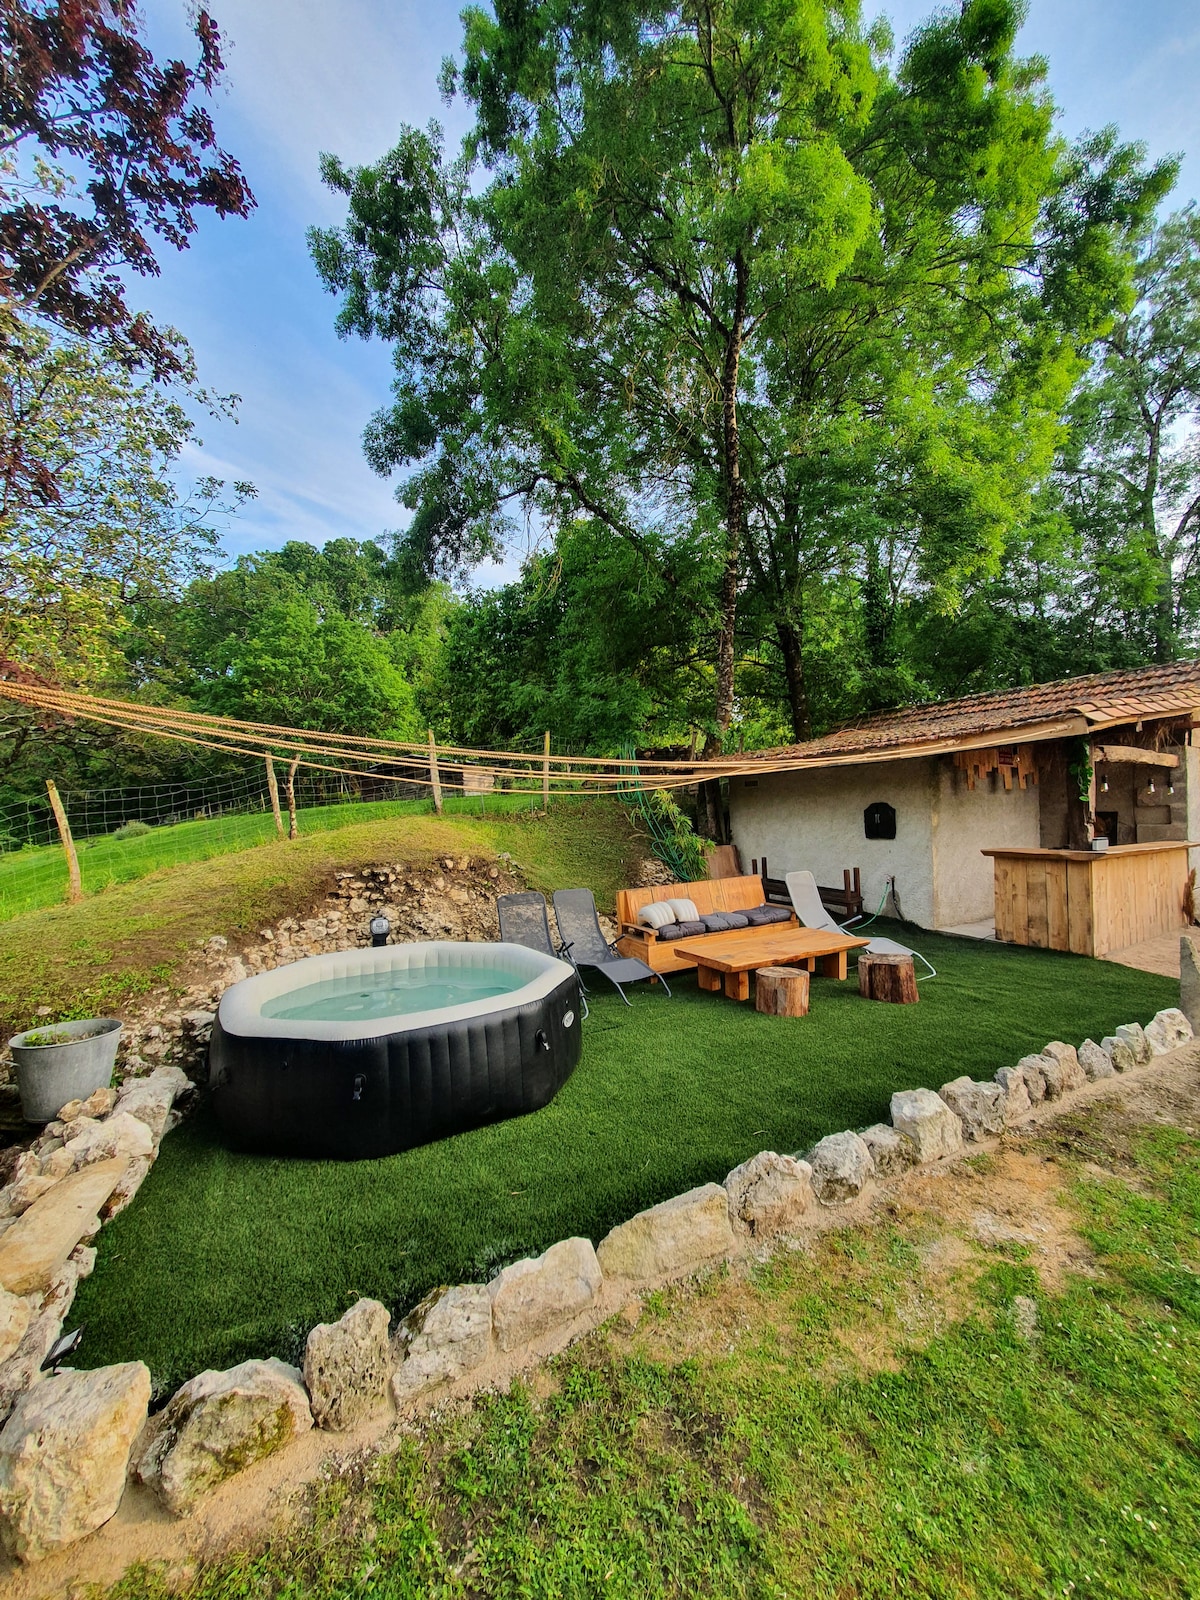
(131,830)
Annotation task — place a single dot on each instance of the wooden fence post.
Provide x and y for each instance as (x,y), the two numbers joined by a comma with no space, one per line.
(293,825)
(434,779)
(74,881)
(273,791)
(546,772)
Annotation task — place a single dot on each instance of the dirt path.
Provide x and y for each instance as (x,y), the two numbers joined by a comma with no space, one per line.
(1004,1194)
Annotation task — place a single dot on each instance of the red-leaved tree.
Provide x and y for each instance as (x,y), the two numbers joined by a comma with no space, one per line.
(103,150)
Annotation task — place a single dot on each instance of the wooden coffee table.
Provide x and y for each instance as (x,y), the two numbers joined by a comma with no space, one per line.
(729,958)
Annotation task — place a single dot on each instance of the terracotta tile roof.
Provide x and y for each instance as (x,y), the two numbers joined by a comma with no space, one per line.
(1102,700)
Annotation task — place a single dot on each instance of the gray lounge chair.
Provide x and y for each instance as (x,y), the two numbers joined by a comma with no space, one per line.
(809,907)
(523,920)
(584,944)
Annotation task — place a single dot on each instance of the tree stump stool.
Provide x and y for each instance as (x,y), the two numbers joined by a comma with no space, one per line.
(781,991)
(888,977)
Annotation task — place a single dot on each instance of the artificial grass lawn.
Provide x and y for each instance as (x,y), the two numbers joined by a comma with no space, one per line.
(225,1256)
(769,1463)
(89,959)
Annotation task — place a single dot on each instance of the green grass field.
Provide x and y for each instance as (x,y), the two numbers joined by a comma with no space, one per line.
(734,1446)
(225,1256)
(31,879)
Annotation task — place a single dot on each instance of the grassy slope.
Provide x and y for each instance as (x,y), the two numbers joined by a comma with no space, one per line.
(33,879)
(225,1256)
(91,958)
(978,1464)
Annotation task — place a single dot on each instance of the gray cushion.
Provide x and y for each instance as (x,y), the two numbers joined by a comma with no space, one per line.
(764,916)
(717,922)
(680,930)
(657,914)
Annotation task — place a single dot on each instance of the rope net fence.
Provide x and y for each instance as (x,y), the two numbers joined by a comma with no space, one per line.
(123,834)
(111,836)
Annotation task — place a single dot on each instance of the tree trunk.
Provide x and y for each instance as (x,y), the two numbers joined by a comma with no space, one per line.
(710,813)
(797,687)
(891,978)
(734,503)
(1164,603)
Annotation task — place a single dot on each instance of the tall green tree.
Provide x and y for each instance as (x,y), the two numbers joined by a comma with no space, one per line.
(727,260)
(1129,474)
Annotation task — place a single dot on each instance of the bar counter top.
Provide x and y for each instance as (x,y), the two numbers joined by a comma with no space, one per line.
(1114,851)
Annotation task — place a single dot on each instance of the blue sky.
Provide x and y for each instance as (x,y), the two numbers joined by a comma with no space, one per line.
(343,75)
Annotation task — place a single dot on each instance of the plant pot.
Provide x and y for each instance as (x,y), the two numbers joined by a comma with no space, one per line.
(76,1059)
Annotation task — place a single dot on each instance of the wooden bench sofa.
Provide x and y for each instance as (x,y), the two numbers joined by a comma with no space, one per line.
(712,894)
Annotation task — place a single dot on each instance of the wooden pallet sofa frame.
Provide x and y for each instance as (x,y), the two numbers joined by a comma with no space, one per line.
(710,894)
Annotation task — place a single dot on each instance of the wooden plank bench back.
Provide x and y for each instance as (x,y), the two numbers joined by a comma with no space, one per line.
(710,894)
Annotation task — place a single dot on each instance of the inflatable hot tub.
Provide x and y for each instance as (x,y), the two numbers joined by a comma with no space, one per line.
(368,1052)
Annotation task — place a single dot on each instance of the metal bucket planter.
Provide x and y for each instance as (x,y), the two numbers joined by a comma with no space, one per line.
(66,1061)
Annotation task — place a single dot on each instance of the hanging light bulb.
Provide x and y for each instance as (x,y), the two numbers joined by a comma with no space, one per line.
(1150,787)
(1104,784)
(1170,786)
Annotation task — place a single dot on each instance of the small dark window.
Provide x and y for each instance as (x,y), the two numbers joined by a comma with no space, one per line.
(879,820)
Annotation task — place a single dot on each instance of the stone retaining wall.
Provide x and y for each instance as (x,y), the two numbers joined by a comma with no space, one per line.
(72,1440)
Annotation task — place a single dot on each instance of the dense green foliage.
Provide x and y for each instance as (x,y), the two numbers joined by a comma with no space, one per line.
(736,276)
(245,1253)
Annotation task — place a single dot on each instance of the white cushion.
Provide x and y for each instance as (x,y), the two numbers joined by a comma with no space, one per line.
(685,910)
(657,914)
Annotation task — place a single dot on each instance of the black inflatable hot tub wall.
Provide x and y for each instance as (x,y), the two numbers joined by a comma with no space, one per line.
(356,1098)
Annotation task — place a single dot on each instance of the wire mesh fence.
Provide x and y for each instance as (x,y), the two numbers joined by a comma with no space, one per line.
(122,834)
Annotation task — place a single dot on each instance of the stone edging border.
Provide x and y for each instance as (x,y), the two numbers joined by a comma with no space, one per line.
(73,1439)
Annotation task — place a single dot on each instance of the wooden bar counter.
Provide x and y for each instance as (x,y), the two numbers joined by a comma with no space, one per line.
(1090,901)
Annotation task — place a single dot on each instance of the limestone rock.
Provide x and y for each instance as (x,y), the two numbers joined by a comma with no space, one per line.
(447,1335)
(1095,1061)
(45,1235)
(1119,1053)
(1016,1100)
(217,1424)
(1189,978)
(532,1296)
(928,1121)
(841,1167)
(57,1163)
(769,1193)
(135,1174)
(1168,1031)
(23,1368)
(1031,1069)
(150,1099)
(15,1312)
(26,1166)
(1061,1070)
(346,1365)
(676,1236)
(20,1196)
(978,1106)
(1134,1035)
(892,1152)
(118,1135)
(98,1104)
(64,1453)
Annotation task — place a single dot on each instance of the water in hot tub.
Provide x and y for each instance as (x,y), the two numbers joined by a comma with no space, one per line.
(398,993)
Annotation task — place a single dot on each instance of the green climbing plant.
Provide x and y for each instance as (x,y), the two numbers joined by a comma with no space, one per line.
(1080,768)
